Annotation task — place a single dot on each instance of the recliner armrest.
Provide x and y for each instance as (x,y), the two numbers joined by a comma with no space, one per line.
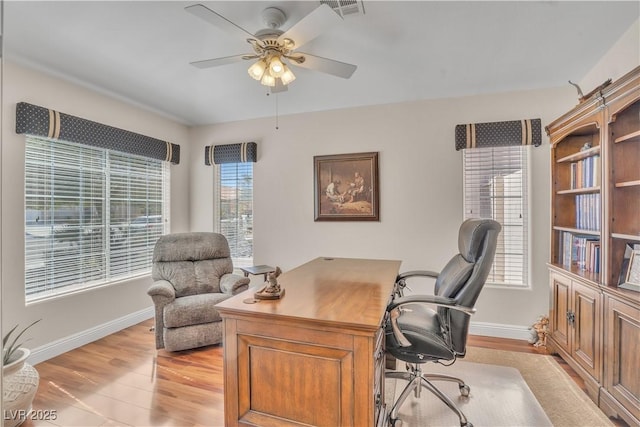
(233,284)
(162,292)
(430,299)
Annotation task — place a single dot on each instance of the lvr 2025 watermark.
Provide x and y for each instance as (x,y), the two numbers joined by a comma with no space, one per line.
(31,414)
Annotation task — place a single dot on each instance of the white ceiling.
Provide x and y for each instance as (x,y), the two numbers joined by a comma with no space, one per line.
(140,51)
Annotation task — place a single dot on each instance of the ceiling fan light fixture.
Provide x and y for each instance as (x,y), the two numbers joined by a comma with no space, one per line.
(257,70)
(287,76)
(268,80)
(276,67)
(274,49)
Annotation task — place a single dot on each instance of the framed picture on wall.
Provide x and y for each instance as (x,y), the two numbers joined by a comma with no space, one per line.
(346,187)
(630,268)
(632,277)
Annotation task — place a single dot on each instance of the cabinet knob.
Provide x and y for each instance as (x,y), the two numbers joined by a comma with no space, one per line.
(571,317)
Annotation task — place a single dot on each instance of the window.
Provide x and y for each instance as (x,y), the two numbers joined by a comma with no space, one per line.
(92,215)
(496,183)
(235,210)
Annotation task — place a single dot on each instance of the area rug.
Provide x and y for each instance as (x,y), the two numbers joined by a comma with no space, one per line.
(507,389)
(560,397)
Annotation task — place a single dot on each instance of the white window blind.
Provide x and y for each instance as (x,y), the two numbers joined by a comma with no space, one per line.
(496,181)
(235,210)
(91,215)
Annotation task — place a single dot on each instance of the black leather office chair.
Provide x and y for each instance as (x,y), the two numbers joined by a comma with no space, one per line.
(434,328)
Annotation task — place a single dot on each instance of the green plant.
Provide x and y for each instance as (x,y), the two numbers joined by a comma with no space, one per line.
(9,350)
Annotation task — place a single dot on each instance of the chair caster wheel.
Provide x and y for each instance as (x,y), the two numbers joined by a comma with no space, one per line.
(468,424)
(464,391)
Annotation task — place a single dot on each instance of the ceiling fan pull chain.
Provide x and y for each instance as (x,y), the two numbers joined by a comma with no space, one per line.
(277,111)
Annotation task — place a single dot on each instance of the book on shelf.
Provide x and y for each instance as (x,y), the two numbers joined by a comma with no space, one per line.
(579,251)
(588,211)
(585,173)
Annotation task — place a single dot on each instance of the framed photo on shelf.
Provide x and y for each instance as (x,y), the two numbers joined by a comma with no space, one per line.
(630,269)
(346,187)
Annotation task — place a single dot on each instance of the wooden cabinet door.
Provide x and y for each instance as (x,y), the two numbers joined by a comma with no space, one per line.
(587,313)
(622,340)
(559,316)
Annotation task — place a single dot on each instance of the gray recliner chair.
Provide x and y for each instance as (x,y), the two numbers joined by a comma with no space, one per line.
(434,328)
(192,272)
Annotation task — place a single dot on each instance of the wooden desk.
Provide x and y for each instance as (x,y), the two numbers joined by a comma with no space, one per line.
(314,357)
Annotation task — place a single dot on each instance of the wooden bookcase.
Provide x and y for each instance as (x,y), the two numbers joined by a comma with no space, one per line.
(623,115)
(595,214)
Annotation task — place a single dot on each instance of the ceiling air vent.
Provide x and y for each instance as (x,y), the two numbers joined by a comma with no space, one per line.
(345,7)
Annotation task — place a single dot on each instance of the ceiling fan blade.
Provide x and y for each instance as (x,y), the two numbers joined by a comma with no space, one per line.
(279,87)
(325,65)
(311,26)
(218,20)
(216,62)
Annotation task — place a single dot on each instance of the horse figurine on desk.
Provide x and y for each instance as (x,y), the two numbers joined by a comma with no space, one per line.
(272,289)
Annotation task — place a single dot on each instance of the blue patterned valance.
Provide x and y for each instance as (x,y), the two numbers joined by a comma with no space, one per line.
(231,153)
(40,121)
(499,134)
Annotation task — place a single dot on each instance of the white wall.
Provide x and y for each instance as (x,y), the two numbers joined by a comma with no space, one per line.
(420,186)
(64,317)
(623,56)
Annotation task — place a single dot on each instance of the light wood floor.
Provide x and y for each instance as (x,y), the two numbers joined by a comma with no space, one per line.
(122,380)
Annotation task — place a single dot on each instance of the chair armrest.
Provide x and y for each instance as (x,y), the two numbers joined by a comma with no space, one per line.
(417,273)
(162,292)
(401,280)
(395,307)
(397,333)
(233,284)
(430,299)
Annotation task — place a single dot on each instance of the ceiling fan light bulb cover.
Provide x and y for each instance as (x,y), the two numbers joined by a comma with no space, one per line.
(276,67)
(287,76)
(256,71)
(268,80)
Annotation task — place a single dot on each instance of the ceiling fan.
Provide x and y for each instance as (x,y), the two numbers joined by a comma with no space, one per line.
(274,49)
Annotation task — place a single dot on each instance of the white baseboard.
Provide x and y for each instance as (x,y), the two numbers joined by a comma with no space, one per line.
(56,348)
(500,331)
